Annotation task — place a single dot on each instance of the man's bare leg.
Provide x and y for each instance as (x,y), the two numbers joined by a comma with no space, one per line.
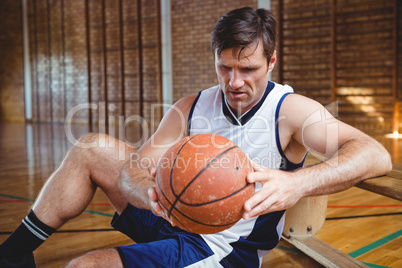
(69,190)
(97,259)
(72,186)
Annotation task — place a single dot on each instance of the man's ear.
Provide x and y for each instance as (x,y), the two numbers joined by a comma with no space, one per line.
(272,62)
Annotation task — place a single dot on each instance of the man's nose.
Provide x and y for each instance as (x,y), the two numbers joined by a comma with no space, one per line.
(236,80)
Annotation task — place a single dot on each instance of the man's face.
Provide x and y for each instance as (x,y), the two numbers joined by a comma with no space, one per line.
(243,80)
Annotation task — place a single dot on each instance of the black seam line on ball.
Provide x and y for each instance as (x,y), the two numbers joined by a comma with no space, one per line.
(158,179)
(216,200)
(199,222)
(195,177)
(173,165)
(196,221)
(177,220)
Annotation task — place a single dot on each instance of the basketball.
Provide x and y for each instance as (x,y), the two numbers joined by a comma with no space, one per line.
(201,183)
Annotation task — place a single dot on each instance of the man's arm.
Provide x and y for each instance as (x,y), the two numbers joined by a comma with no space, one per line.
(137,179)
(352,156)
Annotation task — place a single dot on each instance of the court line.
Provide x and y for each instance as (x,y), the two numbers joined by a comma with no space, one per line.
(14,201)
(75,231)
(295,250)
(86,230)
(372,265)
(100,204)
(354,254)
(98,213)
(17,197)
(20,199)
(368,206)
(375,244)
(363,216)
(108,204)
(31,200)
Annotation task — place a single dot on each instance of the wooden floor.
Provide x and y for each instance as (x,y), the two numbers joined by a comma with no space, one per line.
(364,225)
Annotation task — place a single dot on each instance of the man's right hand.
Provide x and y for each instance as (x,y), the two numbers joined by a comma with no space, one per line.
(154,202)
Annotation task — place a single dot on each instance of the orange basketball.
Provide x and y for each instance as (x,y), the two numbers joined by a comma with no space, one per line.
(201,183)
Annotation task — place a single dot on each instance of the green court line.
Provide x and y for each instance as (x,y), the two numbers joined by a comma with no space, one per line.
(99,213)
(353,254)
(375,244)
(31,200)
(374,265)
(18,198)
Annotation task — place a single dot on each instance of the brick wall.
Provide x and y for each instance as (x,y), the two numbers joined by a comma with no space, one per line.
(363,60)
(192,24)
(11,62)
(66,70)
(306,48)
(364,63)
(88,52)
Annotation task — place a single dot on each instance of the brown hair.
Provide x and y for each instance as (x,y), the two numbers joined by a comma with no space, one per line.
(243,27)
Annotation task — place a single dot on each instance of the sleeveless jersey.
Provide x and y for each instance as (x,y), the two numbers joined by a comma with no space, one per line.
(256,133)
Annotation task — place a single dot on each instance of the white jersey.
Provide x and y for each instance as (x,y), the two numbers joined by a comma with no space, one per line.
(256,133)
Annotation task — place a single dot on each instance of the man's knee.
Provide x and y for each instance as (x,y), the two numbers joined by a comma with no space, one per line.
(88,145)
(92,140)
(99,258)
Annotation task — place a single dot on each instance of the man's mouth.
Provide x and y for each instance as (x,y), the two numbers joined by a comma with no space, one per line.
(237,94)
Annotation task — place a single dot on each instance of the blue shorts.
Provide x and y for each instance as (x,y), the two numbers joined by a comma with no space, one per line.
(159,244)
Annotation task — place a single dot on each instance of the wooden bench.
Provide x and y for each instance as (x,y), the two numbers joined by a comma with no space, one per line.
(389,185)
(305,219)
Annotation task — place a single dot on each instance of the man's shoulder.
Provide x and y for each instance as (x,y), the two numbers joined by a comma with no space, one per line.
(282,88)
(211,90)
(185,103)
(191,98)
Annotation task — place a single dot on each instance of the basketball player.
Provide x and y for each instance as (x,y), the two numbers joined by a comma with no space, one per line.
(272,125)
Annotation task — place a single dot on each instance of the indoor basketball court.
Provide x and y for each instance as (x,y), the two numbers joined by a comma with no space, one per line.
(73,67)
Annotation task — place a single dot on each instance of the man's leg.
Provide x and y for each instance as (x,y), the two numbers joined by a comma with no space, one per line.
(68,192)
(97,259)
(171,247)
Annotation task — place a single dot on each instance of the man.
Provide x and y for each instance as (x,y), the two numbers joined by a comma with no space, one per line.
(272,125)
